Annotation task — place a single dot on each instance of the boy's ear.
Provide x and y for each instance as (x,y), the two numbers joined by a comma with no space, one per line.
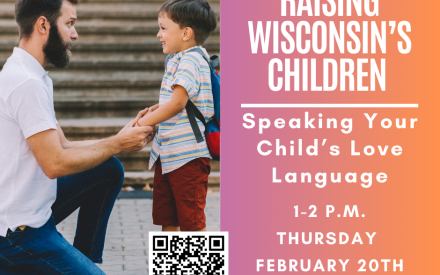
(187,33)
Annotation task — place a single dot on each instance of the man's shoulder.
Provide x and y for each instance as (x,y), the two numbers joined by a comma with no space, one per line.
(15,76)
(19,86)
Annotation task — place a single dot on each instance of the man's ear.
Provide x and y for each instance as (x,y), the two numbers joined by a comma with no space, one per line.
(188,33)
(42,25)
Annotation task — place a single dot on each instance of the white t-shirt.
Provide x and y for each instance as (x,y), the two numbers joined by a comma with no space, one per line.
(26,108)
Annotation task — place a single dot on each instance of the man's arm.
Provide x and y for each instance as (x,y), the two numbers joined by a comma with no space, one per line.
(66,144)
(168,110)
(57,161)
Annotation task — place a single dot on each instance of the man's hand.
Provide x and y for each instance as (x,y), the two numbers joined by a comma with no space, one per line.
(143,113)
(131,138)
(150,137)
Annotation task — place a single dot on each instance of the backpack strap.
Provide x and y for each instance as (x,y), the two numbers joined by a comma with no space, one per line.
(191,110)
(213,62)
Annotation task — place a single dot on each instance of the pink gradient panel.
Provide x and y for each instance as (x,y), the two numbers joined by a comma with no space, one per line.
(401,210)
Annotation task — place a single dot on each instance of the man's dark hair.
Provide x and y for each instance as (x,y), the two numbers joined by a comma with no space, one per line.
(196,14)
(28,11)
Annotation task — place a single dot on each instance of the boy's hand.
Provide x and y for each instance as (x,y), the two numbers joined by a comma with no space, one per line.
(140,115)
(169,109)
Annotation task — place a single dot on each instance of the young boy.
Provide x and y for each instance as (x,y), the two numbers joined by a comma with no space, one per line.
(182,164)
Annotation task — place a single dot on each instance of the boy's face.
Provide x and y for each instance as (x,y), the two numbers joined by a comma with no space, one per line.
(170,35)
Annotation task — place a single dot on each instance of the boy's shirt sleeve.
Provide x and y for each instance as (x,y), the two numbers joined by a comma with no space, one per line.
(188,75)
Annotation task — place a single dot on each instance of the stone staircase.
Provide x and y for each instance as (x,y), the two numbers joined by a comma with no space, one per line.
(115,71)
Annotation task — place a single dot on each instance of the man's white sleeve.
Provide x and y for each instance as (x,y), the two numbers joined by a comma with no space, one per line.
(31,108)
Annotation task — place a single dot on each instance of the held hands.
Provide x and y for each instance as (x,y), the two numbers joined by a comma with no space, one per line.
(143,113)
(132,138)
(140,115)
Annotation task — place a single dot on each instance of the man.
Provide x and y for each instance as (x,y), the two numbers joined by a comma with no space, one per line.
(44,177)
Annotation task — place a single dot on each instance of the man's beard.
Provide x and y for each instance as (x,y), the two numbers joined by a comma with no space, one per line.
(55,50)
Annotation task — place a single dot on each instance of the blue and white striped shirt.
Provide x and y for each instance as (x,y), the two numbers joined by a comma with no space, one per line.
(175,142)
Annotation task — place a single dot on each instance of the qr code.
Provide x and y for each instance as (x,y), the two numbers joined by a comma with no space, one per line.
(187,253)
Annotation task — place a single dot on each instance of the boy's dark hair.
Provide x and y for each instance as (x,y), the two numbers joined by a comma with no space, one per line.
(28,11)
(196,14)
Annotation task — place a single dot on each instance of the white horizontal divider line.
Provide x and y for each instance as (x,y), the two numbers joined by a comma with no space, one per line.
(338,105)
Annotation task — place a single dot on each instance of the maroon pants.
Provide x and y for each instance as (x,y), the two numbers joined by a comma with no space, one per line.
(179,197)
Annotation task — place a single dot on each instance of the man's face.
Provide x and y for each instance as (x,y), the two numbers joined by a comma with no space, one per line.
(170,35)
(62,37)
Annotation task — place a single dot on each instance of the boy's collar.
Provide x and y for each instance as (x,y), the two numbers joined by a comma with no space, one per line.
(187,50)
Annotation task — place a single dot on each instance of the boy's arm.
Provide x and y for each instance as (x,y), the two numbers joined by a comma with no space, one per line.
(168,110)
(154,107)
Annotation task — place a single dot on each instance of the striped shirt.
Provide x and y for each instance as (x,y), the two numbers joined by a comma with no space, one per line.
(175,142)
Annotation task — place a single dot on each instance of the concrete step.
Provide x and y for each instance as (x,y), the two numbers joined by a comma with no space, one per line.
(139,161)
(109,61)
(83,107)
(102,11)
(129,11)
(75,79)
(119,61)
(8,26)
(140,179)
(103,102)
(92,128)
(114,61)
(136,161)
(100,94)
(101,26)
(101,43)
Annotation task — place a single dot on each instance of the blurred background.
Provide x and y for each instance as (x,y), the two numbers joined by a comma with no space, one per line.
(115,71)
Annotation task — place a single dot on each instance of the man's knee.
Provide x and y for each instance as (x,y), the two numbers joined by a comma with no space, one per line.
(115,169)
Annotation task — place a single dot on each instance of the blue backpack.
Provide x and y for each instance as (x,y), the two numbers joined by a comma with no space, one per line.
(212,128)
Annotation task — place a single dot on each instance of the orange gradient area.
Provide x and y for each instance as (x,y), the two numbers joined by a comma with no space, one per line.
(403,211)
